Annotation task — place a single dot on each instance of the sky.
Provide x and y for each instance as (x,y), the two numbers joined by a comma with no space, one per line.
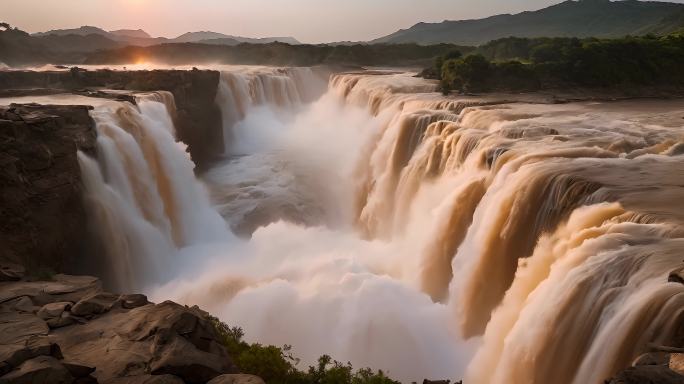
(309,21)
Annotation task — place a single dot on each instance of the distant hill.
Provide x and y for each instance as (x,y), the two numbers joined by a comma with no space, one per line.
(81,31)
(143,39)
(135,33)
(583,18)
(215,38)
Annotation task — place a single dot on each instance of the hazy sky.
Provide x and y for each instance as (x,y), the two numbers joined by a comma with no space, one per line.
(307,20)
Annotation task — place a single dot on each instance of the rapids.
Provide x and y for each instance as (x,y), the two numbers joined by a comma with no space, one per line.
(380,223)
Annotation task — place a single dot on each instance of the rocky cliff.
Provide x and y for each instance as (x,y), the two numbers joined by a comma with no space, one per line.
(68,330)
(42,220)
(198,120)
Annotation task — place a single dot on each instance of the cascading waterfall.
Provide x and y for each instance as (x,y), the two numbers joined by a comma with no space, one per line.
(391,227)
(142,190)
(240,91)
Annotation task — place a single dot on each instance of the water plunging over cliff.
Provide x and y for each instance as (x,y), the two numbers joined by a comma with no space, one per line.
(391,227)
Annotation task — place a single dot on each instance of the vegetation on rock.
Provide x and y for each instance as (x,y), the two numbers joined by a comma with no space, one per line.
(278,366)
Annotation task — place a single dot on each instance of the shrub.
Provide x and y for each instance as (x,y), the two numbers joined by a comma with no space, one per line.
(277,365)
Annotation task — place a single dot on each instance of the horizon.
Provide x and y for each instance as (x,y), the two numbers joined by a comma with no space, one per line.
(246,18)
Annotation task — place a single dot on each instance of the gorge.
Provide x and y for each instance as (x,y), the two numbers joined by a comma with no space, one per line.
(494,238)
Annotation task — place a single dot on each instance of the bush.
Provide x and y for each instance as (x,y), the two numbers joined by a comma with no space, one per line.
(278,366)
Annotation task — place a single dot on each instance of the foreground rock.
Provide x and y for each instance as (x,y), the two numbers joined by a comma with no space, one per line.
(653,367)
(69,330)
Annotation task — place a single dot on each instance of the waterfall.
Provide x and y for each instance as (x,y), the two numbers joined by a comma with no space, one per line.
(283,89)
(142,191)
(386,225)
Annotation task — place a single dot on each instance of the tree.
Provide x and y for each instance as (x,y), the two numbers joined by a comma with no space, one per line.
(440,60)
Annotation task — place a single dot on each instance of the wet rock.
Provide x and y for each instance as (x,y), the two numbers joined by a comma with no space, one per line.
(237,379)
(42,369)
(95,304)
(133,301)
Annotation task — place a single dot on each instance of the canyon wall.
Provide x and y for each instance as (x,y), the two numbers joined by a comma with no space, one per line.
(197,120)
(42,219)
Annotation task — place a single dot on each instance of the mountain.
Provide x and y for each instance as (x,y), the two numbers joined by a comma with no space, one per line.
(215,38)
(143,39)
(582,18)
(82,31)
(134,33)
(194,37)
(222,41)
(126,36)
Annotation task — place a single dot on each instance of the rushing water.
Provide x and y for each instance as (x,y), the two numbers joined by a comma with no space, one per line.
(390,227)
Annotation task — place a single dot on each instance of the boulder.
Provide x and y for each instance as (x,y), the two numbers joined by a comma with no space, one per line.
(194,366)
(54,310)
(78,370)
(42,369)
(166,338)
(133,301)
(119,337)
(644,374)
(237,379)
(11,271)
(96,304)
(652,358)
(62,321)
(13,355)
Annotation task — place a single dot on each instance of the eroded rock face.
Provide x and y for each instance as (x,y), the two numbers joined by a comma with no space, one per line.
(109,338)
(198,119)
(42,220)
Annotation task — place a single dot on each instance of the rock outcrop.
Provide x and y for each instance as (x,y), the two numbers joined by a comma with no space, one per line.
(42,219)
(662,367)
(68,330)
(198,120)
